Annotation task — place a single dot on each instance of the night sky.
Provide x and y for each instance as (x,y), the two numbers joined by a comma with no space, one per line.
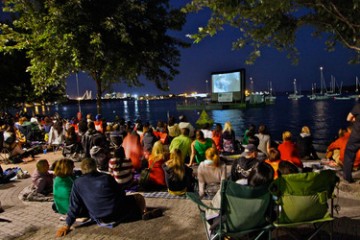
(214,54)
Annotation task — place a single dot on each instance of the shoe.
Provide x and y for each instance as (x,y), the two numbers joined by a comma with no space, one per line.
(82,220)
(349,180)
(152,214)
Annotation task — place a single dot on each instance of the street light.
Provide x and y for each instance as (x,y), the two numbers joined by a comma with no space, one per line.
(207,87)
(77,84)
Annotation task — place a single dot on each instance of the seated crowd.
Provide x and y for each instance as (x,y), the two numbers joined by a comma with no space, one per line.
(178,157)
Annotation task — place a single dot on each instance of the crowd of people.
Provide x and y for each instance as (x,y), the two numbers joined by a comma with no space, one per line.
(179,158)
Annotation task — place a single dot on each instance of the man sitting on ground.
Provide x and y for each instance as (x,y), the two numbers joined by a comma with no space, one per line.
(106,203)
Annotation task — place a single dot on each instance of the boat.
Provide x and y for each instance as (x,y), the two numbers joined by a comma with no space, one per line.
(332,90)
(270,96)
(321,95)
(356,95)
(295,95)
(340,96)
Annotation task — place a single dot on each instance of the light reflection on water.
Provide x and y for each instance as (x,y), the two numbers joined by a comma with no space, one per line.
(323,117)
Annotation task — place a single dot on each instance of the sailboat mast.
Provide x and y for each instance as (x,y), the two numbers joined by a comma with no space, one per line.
(295,90)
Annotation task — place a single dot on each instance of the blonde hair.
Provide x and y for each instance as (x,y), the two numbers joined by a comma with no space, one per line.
(157,152)
(64,167)
(286,136)
(42,165)
(227,127)
(212,154)
(176,162)
(305,129)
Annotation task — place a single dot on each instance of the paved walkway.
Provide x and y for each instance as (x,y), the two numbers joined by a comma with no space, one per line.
(36,220)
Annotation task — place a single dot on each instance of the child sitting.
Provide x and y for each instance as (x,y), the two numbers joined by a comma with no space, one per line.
(42,180)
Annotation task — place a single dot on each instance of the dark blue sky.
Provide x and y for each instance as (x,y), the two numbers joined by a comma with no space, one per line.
(214,54)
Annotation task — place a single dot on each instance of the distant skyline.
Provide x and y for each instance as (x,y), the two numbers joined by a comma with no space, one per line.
(214,54)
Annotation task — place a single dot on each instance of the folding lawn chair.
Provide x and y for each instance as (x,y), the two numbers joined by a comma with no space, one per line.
(302,199)
(244,211)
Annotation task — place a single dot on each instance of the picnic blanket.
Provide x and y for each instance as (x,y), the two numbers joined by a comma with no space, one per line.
(167,195)
(29,194)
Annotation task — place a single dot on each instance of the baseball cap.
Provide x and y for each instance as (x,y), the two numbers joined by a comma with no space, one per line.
(250,148)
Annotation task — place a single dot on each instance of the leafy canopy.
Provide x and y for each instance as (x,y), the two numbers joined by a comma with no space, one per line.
(113,41)
(273,23)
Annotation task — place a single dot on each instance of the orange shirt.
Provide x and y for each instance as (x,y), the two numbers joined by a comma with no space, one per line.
(274,165)
(340,144)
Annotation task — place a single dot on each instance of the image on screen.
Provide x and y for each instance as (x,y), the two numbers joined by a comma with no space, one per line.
(226,82)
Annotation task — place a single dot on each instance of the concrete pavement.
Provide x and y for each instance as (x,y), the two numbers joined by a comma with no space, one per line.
(36,220)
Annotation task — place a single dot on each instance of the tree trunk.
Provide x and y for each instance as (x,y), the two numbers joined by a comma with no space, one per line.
(98,95)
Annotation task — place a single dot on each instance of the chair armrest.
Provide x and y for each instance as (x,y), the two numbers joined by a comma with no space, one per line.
(196,199)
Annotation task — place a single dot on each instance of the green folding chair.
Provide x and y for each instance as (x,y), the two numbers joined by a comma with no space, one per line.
(244,211)
(303,199)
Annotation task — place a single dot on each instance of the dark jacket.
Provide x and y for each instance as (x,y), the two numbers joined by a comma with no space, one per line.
(174,183)
(103,198)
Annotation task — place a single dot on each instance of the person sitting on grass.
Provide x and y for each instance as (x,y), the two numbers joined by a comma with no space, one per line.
(178,176)
(106,203)
(42,180)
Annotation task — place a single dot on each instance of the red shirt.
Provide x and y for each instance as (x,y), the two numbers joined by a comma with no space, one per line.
(288,152)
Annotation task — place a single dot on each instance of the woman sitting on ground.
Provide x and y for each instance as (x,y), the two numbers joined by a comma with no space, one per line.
(157,158)
(227,140)
(264,139)
(210,173)
(178,176)
(64,179)
(199,147)
(133,149)
(12,143)
(305,145)
(216,136)
(288,150)
(42,180)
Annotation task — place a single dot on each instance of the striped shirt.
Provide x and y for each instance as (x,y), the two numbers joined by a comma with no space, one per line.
(121,170)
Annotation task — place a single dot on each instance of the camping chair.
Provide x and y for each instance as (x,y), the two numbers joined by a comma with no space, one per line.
(5,150)
(302,199)
(5,155)
(244,211)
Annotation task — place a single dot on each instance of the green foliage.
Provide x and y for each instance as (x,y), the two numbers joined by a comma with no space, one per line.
(113,41)
(274,23)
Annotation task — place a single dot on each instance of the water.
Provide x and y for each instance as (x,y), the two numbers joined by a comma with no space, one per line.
(323,117)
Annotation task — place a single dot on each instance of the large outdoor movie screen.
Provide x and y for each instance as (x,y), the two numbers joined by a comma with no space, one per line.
(226,82)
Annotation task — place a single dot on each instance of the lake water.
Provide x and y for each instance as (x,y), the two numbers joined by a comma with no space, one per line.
(323,117)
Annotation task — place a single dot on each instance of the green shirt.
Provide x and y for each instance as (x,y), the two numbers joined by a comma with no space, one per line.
(183,143)
(61,191)
(200,149)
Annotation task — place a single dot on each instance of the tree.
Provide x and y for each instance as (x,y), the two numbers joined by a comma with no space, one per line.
(16,88)
(273,23)
(111,40)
